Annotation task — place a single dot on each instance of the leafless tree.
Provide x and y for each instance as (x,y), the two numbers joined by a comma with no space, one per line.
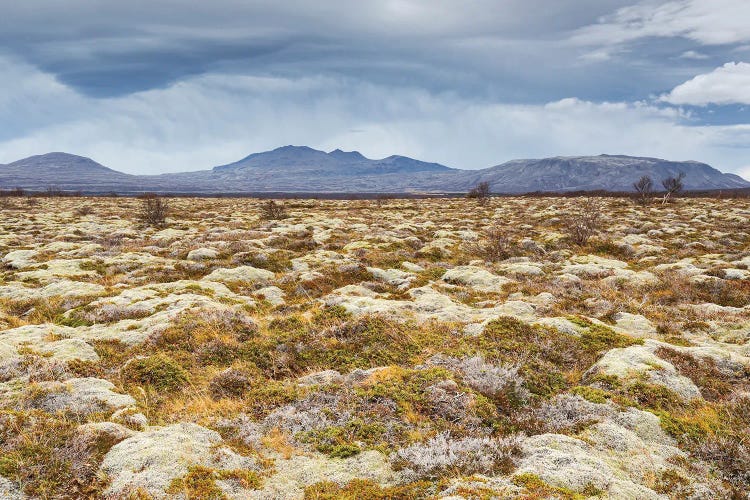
(672,185)
(584,223)
(273,211)
(494,244)
(481,192)
(154,210)
(644,189)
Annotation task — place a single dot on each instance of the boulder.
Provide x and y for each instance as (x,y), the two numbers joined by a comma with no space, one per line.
(247,274)
(79,396)
(202,254)
(151,460)
(476,278)
(641,360)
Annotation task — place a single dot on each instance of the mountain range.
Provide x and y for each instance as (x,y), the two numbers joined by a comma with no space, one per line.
(307,170)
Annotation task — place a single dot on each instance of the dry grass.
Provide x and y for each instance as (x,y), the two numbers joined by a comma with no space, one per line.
(231,362)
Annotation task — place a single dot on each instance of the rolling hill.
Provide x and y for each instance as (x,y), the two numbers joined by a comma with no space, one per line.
(307,170)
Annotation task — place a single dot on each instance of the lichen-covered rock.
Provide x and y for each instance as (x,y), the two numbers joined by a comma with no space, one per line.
(151,460)
(476,278)
(48,340)
(635,325)
(292,475)
(114,432)
(245,274)
(324,377)
(64,289)
(271,294)
(427,303)
(79,396)
(641,360)
(395,277)
(567,462)
(20,259)
(202,254)
(10,490)
(70,349)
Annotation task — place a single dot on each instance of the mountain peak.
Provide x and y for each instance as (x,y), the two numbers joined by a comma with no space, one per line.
(59,161)
(305,161)
(347,155)
(292,148)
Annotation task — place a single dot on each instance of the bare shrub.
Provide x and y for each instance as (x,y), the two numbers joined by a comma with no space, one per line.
(84,210)
(451,403)
(273,211)
(492,380)
(672,186)
(111,313)
(229,383)
(731,457)
(443,455)
(480,192)
(644,188)
(494,245)
(584,222)
(566,412)
(499,382)
(154,210)
(54,191)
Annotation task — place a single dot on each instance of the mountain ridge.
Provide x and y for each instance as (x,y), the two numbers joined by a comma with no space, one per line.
(304,169)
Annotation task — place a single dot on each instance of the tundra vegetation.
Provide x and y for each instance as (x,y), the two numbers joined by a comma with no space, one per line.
(425,348)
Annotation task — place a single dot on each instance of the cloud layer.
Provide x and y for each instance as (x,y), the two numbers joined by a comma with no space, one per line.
(148,87)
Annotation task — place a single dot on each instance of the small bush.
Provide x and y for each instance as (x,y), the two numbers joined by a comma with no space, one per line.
(200,482)
(569,413)
(229,383)
(496,381)
(153,210)
(84,210)
(584,223)
(443,455)
(600,338)
(365,489)
(672,186)
(731,456)
(644,188)
(273,211)
(495,245)
(158,371)
(480,192)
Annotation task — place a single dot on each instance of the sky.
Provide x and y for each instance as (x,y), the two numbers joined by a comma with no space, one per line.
(153,86)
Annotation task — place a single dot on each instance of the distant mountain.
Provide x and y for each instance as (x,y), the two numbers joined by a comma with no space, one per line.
(301,159)
(603,172)
(64,171)
(303,169)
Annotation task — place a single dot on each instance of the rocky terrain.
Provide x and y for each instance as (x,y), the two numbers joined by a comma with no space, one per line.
(523,348)
(299,169)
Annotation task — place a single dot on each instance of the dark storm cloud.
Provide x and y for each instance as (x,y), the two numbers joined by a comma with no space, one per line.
(115,48)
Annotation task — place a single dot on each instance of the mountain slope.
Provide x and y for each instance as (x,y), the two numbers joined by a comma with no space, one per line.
(303,169)
(64,171)
(290,160)
(605,172)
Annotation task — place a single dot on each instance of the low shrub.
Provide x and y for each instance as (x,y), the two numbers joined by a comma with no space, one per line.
(153,210)
(443,455)
(159,371)
(273,211)
(229,383)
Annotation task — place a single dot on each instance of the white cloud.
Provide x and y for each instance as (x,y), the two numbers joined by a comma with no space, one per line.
(692,54)
(711,22)
(728,84)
